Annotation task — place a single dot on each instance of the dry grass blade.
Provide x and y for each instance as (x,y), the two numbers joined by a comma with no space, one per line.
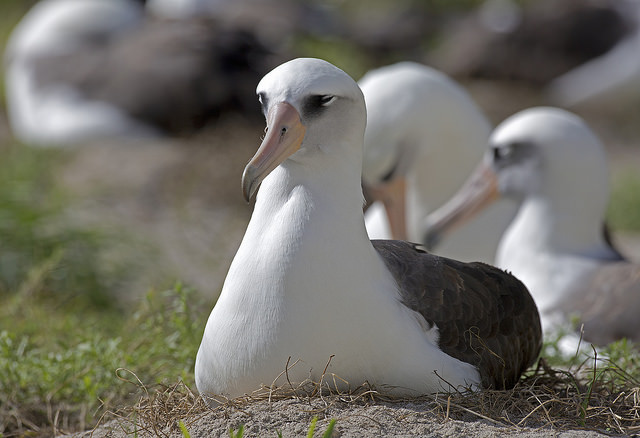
(556,398)
(160,410)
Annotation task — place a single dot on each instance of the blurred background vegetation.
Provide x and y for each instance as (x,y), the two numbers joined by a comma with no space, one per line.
(112,256)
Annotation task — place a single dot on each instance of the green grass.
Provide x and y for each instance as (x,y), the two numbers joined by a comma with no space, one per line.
(236,433)
(11,11)
(312,428)
(63,330)
(327,433)
(624,208)
(84,372)
(42,253)
(183,430)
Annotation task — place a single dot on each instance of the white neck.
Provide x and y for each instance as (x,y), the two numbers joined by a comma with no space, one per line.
(542,226)
(298,205)
(548,249)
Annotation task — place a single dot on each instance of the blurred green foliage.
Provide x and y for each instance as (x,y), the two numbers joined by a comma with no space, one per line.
(63,328)
(624,208)
(10,13)
(80,372)
(43,251)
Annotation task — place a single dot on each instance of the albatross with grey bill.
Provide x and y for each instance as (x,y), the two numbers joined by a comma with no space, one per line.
(307,286)
(554,165)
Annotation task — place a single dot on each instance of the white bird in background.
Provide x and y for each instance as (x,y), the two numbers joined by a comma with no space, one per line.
(308,285)
(78,70)
(44,111)
(182,9)
(610,77)
(424,136)
(551,162)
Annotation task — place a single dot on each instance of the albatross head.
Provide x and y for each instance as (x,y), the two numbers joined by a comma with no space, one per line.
(311,108)
(545,157)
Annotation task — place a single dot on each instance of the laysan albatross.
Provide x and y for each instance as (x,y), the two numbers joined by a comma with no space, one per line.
(549,160)
(81,70)
(307,286)
(424,136)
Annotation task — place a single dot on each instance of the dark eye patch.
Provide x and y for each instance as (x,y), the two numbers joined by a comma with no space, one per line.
(512,152)
(502,153)
(315,105)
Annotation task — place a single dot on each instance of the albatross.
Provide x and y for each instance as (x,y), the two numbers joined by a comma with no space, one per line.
(554,165)
(44,110)
(77,70)
(424,135)
(308,287)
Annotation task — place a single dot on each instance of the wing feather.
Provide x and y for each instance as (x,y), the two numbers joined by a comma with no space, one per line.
(485,316)
(607,302)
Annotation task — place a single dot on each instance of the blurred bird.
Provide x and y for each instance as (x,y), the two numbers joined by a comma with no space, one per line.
(424,135)
(274,22)
(612,76)
(83,69)
(532,41)
(551,162)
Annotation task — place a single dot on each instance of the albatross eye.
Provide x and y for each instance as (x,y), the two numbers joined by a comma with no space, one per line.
(502,153)
(315,104)
(326,99)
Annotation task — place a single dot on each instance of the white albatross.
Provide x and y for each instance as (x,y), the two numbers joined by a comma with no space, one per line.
(80,70)
(550,161)
(424,136)
(610,77)
(49,112)
(308,285)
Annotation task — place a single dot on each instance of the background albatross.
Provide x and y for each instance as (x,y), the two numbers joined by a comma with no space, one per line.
(424,136)
(551,161)
(81,70)
(308,284)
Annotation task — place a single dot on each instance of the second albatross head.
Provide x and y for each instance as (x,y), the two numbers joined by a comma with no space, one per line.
(551,162)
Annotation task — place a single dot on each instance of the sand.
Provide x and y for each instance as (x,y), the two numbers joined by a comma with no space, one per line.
(292,418)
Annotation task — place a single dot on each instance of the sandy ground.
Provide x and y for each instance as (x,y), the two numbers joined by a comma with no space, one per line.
(291,418)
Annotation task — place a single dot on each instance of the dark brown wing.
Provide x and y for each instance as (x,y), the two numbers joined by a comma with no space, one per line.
(485,316)
(608,303)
